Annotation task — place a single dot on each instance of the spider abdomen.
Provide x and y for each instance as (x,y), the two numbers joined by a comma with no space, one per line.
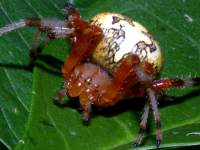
(123,36)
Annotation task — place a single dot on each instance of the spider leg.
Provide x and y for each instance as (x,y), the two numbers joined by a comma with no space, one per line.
(119,78)
(86,112)
(37,49)
(54,28)
(83,45)
(58,98)
(129,66)
(147,81)
(143,124)
(164,84)
(70,11)
(129,69)
(86,105)
(13,26)
(154,105)
(84,39)
(35,38)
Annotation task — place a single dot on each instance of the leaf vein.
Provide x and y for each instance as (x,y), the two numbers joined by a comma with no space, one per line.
(189,38)
(9,124)
(123,125)
(14,89)
(10,20)
(59,131)
(34,10)
(56,6)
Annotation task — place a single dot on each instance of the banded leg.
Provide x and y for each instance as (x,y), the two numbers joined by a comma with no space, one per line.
(37,49)
(86,106)
(83,45)
(152,97)
(129,69)
(58,98)
(86,112)
(53,28)
(84,39)
(70,11)
(124,71)
(147,81)
(154,105)
(35,39)
(143,124)
(164,84)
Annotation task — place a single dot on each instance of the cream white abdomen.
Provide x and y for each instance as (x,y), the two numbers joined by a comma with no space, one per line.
(123,36)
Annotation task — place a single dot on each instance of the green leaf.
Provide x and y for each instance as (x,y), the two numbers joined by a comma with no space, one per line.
(175,25)
(15,78)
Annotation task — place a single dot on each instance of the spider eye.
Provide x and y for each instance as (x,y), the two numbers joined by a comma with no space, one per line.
(88,81)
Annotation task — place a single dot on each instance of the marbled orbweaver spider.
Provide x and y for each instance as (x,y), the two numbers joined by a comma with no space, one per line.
(113,58)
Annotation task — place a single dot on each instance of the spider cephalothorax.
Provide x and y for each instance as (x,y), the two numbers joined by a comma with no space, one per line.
(112,58)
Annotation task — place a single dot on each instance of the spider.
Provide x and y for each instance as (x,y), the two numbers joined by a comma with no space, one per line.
(113,58)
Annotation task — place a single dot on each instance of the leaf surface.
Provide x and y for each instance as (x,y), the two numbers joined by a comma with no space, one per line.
(175,25)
